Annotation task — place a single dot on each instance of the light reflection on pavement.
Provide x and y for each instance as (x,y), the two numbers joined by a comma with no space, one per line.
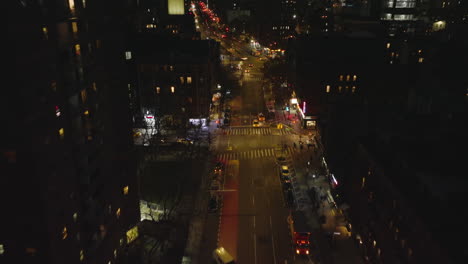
(229,221)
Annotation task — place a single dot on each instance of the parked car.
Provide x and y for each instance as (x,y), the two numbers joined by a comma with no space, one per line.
(289,198)
(285,174)
(213,204)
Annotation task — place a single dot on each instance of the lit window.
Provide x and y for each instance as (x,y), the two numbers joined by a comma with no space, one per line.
(347,88)
(158,89)
(419,51)
(102,230)
(171,68)
(388,45)
(109,208)
(348,78)
(121,241)
(83,96)
(110,262)
(53,85)
(31,251)
(64,233)
(94,87)
(172,89)
(115,253)
(393,54)
(117,213)
(75,27)
(328,89)
(354,78)
(86,112)
(84,3)
(363,182)
(128,55)
(181,79)
(45,31)
(77,49)
(340,88)
(374,243)
(125,190)
(75,216)
(353,89)
(2,249)
(420,60)
(71,4)
(81,255)
(189,80)
(341,77)
(61,133)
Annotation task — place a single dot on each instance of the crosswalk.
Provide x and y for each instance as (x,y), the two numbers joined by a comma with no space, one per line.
(242,131)
(254,154)
(255,78)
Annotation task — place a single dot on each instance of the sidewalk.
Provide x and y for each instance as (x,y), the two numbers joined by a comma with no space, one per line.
(197,223)
(333,248)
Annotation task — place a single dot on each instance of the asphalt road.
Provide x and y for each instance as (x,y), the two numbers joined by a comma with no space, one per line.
(252,222)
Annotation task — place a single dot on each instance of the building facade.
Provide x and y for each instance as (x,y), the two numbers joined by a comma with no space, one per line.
(175,78)
(67,153)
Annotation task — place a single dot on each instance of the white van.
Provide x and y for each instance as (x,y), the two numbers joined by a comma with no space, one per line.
(221,256)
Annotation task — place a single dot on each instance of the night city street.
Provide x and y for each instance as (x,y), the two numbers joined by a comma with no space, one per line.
(235,132)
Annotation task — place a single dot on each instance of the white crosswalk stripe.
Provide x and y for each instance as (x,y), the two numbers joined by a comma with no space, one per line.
(251,154)
(241,131)
(257,153)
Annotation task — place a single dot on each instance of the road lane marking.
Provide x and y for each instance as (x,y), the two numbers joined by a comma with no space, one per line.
(255,247)
(273,244)
(253,199)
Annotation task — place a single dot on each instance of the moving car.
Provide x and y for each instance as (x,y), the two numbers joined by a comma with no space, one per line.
(184,141)
(255,123)
(218,167)
(261,117)
(221,256)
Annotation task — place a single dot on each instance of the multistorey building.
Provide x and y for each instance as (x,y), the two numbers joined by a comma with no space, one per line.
(387,110)
(175,78)
(71,194)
